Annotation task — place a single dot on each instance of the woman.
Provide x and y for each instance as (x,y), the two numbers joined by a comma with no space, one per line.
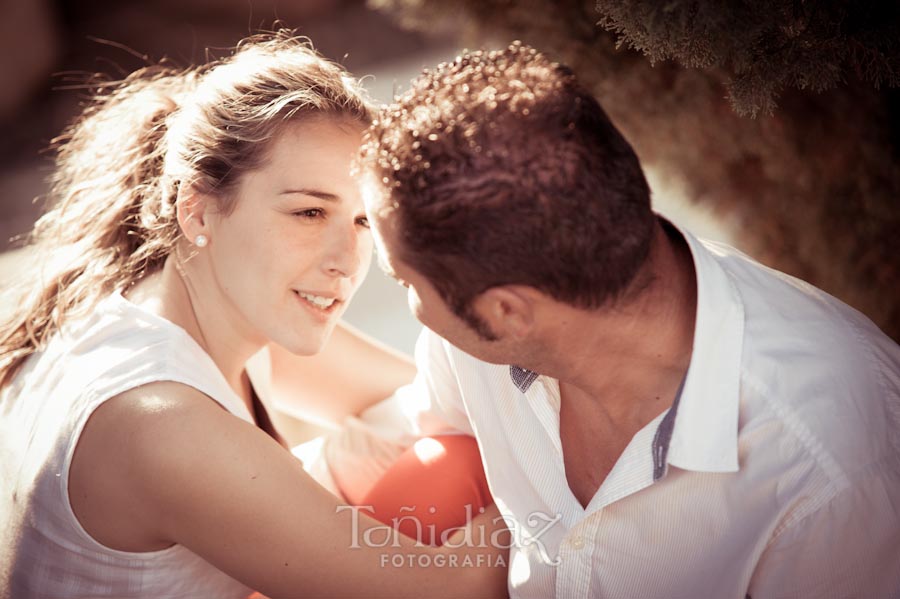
(198,216)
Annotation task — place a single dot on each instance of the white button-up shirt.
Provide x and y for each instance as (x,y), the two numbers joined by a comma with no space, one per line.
(776,473)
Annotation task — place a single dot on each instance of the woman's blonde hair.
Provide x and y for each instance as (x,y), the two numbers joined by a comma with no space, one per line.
(119,166)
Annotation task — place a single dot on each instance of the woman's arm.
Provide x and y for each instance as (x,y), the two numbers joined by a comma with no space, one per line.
(350,374)
(196,475)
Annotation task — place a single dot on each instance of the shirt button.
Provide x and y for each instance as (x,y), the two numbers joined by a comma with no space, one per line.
(577,543)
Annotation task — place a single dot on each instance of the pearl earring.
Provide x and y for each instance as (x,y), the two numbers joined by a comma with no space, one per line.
(201,241)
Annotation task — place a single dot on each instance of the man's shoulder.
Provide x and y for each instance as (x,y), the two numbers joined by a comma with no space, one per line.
(813,367)
(798,324)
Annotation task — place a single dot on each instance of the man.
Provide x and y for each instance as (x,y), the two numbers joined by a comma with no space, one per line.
(658,416)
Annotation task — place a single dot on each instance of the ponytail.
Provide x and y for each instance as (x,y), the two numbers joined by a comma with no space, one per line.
(111,217)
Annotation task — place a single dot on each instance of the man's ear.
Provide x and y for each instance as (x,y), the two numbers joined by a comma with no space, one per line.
(508,310)
(191,210)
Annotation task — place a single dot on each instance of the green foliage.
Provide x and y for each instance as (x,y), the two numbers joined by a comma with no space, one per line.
(765,45)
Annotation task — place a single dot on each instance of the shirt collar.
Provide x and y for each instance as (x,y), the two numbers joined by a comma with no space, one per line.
(704,434)
(522,377)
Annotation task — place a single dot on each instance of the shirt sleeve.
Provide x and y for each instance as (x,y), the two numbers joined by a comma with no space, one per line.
(849,547)
(358,454)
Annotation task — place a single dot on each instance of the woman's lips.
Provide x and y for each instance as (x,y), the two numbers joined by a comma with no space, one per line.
(318,309)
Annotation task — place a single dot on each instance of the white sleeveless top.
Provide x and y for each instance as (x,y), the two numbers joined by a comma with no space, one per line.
(44,551)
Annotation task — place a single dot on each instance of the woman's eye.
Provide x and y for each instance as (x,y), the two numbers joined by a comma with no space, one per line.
(363,222)
(310,213)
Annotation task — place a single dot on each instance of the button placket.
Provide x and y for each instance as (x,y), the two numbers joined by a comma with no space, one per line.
(574,575)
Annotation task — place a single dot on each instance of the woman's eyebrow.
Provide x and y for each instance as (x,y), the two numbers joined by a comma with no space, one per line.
(322,195)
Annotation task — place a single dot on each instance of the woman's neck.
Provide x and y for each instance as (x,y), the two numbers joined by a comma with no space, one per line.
(178,294)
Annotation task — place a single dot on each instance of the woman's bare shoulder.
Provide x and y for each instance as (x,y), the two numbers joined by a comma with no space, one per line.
(124,446)
(158,400)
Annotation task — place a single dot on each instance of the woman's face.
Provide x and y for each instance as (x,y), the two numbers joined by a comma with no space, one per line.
(297,245)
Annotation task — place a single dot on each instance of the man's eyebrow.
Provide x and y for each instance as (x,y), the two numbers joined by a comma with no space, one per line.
(322,195)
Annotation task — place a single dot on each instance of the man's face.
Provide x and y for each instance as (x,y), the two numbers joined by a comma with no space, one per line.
(424,300)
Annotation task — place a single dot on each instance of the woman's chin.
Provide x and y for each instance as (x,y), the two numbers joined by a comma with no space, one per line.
(308,345)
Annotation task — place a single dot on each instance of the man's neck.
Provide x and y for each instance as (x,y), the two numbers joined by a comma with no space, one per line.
(621,367)
(630,359)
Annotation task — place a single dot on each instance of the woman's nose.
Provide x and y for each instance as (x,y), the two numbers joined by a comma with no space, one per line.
(342,257)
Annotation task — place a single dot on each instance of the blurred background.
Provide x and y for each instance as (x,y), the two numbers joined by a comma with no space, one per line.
(50,46)
(772,125)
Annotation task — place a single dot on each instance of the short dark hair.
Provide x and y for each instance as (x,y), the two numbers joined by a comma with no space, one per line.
(503,169)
